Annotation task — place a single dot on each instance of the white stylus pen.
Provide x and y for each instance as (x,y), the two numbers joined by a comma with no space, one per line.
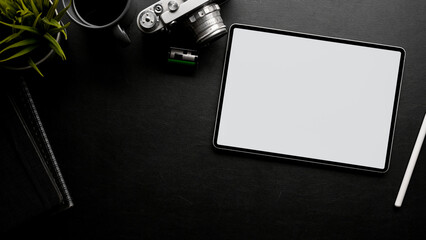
(411,164)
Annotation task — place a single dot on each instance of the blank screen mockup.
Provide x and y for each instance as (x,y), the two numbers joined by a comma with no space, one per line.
(309,97)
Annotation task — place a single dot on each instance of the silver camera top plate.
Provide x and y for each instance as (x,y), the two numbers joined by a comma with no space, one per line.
(164,12)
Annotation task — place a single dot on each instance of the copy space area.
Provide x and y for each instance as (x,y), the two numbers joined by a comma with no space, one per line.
(309,98)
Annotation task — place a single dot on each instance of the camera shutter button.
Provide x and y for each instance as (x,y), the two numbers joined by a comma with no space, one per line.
(173,6)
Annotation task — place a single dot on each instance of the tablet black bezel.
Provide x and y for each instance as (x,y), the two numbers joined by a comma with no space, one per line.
(316,37)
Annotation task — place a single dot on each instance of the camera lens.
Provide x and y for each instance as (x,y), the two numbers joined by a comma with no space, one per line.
(207,23)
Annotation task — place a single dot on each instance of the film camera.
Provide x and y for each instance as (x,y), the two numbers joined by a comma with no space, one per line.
(202,16)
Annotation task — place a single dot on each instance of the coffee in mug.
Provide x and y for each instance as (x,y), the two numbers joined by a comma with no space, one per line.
(102,15)
(99,12)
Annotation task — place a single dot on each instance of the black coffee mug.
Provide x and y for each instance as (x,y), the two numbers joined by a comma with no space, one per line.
(102,15)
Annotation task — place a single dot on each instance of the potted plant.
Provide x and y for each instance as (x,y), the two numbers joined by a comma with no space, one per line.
(30,31)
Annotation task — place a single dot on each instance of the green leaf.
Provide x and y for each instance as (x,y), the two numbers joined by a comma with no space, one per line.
(39,5)
(27,14)
(34,8)
(9,9)
(34,66)
(62,12)
(57,26)
(55,45)
(25,42)
(24,12)
(46,4)
(51,22)
(21,27)
(36,20)
(54,31)
(23,6)
(20,53)
(52,9)
(11,37)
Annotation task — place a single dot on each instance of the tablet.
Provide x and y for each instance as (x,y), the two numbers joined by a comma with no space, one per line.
(307,97)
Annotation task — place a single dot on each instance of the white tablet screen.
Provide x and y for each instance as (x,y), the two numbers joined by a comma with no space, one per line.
(309,97)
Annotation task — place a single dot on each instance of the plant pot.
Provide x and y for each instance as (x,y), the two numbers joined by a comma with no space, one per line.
(38,56)
(39,59)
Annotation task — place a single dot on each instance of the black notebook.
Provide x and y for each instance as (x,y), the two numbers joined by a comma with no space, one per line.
(31,183)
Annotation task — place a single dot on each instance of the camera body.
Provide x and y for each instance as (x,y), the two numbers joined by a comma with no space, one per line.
(202,16)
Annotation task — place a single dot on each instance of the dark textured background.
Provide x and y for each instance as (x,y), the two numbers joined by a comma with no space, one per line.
(134,141)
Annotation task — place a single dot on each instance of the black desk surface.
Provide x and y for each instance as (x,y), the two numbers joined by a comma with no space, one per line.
(134,141)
